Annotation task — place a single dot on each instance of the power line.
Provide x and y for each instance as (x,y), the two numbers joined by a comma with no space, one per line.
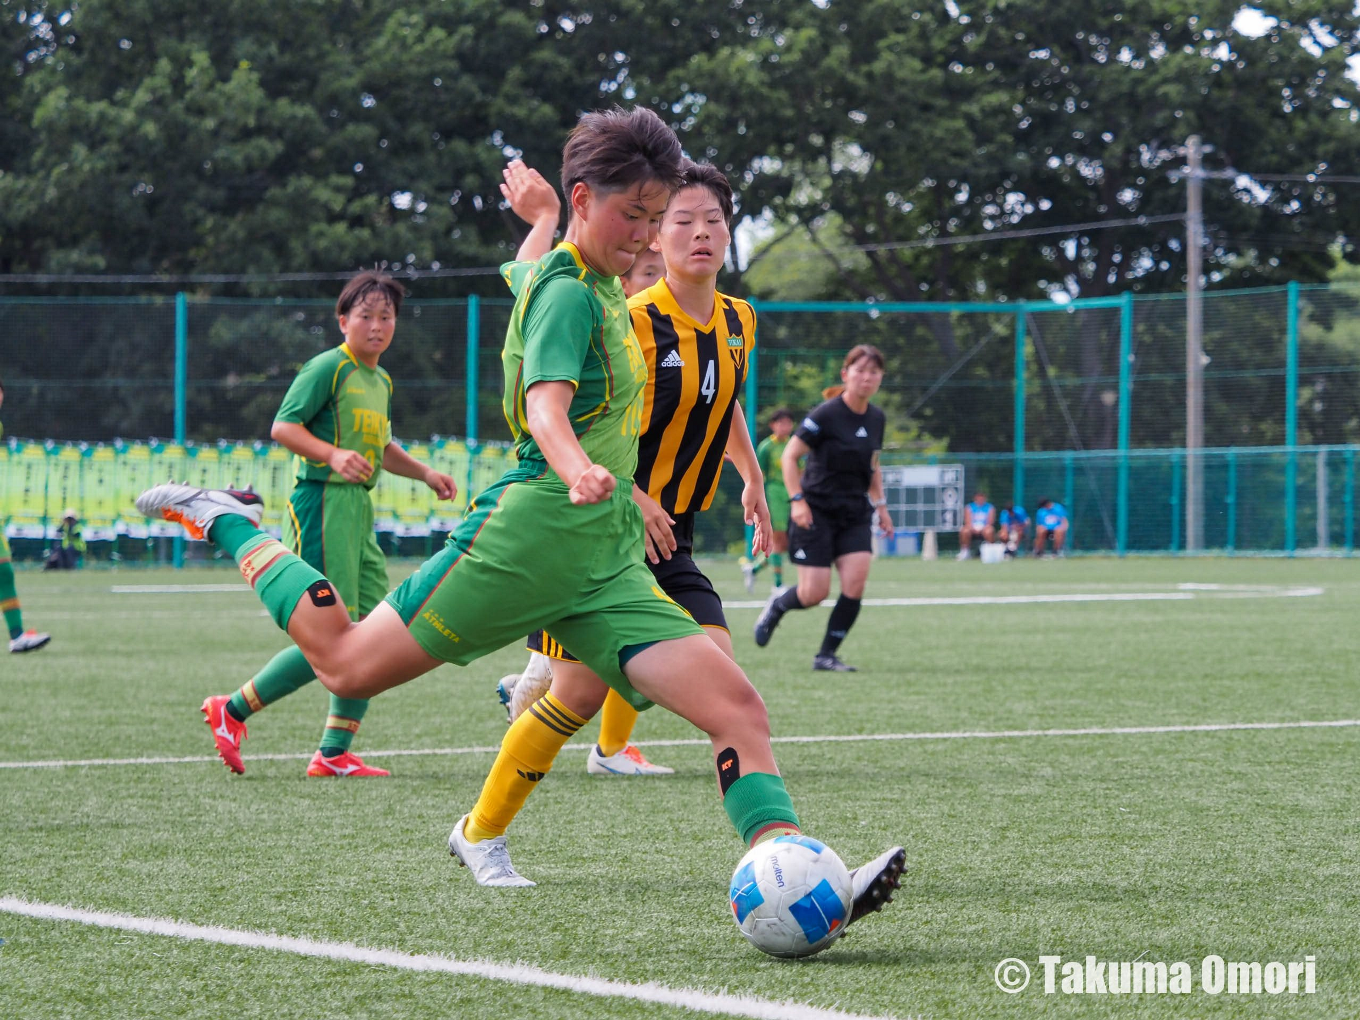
(188,278)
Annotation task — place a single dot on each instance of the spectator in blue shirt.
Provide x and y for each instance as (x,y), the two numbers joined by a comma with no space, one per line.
(1051,522)
(979,524)
(1011,528)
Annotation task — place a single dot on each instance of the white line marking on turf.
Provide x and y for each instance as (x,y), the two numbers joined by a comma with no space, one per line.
(176,589)
(512,973)
(1190,592)
(848,738)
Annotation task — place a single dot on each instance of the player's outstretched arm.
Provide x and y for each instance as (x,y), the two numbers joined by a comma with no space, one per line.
(546,405)
(534,201)
(399,462)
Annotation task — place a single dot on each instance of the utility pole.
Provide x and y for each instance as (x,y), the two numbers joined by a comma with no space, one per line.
(1194,349)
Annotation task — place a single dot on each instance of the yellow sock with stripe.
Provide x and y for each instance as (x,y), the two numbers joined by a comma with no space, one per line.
(617,720)
(341,724)
(526,755)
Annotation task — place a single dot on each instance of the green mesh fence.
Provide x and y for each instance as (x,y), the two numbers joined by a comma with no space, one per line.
(1084,401)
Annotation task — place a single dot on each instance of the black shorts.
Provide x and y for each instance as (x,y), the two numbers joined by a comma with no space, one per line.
(679,577)
(836,531)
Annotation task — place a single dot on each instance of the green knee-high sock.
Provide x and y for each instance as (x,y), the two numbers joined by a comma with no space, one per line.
(760,807)
(279,577)
(777,565)
(9,600)
(284,674)
(342,724)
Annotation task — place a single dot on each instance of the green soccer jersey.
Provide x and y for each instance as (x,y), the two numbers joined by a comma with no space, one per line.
(768,455)
(341,400)
(572,325)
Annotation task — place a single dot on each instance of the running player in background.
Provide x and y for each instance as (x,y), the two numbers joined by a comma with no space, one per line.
(979,524)
(769,452)
(557,542)
(1050,522)
(20,640)
(834,503)
(1011,527)
(336,419)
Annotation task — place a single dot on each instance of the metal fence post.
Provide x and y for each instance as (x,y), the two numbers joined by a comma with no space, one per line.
(1230,543)
(753,402)
(181,394)
(1125,418)
(1291,413)
(1175,504)
(1348,501)
(1018,469)
(474,325)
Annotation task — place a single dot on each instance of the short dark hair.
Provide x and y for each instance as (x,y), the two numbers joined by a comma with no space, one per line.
(706,175)
(362,285)
(1045,502)
(615,149)
(780,412)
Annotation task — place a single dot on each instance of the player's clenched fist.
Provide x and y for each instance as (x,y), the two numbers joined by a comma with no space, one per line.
(350,466)
(595,485)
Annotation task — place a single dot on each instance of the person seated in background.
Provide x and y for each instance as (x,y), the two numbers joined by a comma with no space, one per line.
(979,524)
(1011,527)
(70,544)
(1050,522)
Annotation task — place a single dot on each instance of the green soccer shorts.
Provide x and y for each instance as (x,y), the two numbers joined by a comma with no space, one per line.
(524,558)
(778,500)
(330,525)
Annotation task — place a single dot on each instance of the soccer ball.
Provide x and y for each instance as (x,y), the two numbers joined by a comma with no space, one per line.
(791,896)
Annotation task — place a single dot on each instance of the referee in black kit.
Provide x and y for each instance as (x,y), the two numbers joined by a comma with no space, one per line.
(832,504)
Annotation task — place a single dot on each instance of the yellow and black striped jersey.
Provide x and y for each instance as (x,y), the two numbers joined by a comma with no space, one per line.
(694,373)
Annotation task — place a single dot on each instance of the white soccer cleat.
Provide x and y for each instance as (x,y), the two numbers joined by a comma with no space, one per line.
(963,554)
(197,508)
(489,860)
(532,684)
(748,574)
(29,641)
(628,762)
(872,884)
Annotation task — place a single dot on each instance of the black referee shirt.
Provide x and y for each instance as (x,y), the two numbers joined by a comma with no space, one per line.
(843,444)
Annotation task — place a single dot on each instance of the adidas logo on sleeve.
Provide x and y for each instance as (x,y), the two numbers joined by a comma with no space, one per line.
(673,360)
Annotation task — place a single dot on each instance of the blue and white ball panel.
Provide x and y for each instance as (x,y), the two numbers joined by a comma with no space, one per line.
(819,913)
(745,892)
(815,846)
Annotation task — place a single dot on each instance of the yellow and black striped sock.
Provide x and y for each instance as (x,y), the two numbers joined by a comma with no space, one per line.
(526,755)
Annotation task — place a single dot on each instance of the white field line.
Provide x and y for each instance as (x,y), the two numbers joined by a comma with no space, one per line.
(488,970)
(1185,593)
(850,738)
(1222,591)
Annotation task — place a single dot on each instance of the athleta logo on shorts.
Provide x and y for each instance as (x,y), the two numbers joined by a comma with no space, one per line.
(860,433)
(673,360)
(437,622)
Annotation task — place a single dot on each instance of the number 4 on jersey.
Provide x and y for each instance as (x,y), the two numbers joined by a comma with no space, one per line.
(710,385)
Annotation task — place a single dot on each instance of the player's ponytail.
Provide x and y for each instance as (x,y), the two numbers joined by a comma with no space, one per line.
(857,354)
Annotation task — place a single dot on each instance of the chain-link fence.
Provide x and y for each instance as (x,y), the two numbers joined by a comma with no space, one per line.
(1089,389)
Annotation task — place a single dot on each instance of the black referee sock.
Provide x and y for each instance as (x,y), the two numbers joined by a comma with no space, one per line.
(787,601)
(842,619)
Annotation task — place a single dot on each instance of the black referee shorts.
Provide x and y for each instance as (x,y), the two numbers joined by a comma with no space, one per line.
(679,577)
(835,532)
